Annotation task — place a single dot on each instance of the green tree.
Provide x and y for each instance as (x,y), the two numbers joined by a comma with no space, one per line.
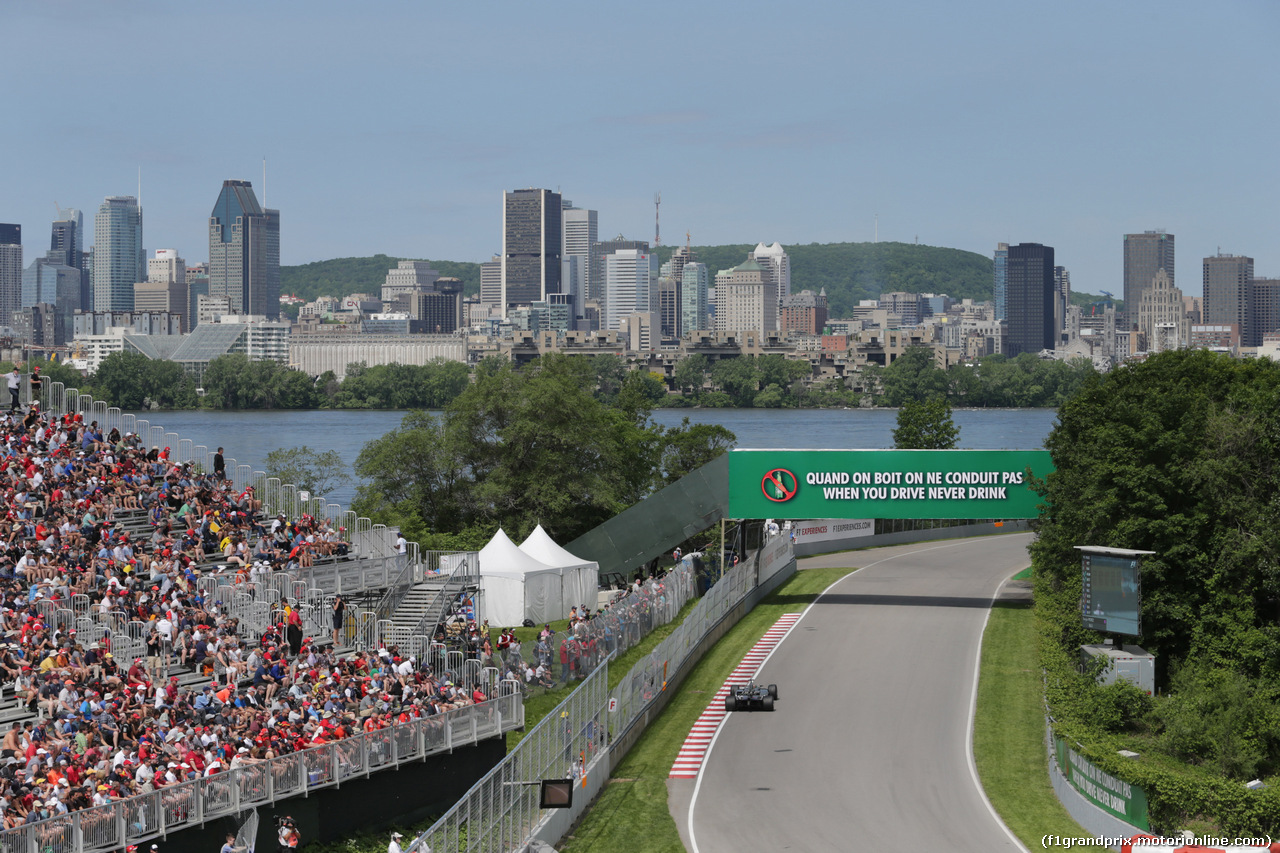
(690,446)
(737,377)
(925,426)
(913,376)
(690,373)
(313,471)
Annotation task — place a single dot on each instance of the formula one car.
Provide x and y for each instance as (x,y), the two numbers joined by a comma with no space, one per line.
(751,697)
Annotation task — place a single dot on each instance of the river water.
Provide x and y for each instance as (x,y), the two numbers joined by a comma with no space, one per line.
(249,436)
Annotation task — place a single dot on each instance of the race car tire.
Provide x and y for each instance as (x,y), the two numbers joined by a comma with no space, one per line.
(767,703)
(773,690)
(731,703)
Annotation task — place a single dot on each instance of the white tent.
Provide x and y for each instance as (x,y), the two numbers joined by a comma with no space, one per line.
(581,580)
(517,586)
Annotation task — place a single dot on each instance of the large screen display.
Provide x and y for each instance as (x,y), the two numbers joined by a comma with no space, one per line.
(1112,596)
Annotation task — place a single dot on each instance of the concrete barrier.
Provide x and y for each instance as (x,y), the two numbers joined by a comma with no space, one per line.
(903,537)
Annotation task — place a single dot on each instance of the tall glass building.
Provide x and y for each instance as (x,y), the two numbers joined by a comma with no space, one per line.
(119,260)
(693,297)
(10,270)
(244,252)
(1000,285)
(1029,299)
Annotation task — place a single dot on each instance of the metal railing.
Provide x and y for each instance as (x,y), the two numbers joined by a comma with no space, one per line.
(375,543)
(497,816)
(136,819)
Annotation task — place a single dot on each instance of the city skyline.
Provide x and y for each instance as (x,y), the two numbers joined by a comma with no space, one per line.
(857,121)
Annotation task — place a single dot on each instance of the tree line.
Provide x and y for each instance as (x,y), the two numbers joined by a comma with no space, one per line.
(1178,455)
(539,444)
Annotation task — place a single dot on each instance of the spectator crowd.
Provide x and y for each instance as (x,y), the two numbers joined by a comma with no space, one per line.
(100,728)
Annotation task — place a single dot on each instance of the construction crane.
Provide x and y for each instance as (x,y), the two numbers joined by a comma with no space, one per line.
(657,219)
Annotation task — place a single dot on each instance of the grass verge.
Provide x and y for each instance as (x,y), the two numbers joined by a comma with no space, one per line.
(1008,730)
(631,813)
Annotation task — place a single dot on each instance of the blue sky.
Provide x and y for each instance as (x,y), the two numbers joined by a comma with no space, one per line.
(394,127)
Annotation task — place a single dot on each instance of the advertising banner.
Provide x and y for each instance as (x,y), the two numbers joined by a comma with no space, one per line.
(1114,796)
(800,484)
(830,529)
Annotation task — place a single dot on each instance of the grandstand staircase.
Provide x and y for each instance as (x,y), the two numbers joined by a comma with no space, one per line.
(424,606)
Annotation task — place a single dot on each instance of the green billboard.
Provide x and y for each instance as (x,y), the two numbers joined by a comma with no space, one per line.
(884,483)
(1115,796)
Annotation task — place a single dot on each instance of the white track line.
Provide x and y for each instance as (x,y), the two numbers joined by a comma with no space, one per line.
(693,801)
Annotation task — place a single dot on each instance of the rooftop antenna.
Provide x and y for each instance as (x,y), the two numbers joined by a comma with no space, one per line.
(264,183)
(657,220)
(139,187)
(877,238)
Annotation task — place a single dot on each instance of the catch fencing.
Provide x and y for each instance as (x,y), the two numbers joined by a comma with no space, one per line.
(137,819)
(500,814)
(501,811)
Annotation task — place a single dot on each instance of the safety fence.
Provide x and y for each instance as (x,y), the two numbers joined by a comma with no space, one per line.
(499,814)
(131,821)
(501,811)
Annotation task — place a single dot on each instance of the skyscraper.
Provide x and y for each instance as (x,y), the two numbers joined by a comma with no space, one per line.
(244,252)
(1228,295)
(1061,301)
(999,288)
(1029,299)
(773,258)
(10,271)
(119,261)
(531,244)
(581,232)
(1145,254)
(694,281)
(595,267)
(630,276)
(67,240)
(491,281)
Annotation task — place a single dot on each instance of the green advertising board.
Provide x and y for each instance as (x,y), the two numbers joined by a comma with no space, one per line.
(1114,796)
(884,483)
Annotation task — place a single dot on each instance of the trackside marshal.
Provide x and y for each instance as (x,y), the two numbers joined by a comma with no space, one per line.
(801,484)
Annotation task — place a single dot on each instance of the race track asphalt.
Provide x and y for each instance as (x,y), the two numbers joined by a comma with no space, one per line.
(868,748)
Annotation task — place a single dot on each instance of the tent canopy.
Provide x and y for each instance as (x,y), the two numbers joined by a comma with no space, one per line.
(517,586)
(581,578)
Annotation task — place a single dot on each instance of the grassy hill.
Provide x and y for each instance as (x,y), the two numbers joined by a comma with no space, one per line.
(848,271)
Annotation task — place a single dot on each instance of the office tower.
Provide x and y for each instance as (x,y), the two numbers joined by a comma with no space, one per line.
(804,312)
(775,262)
(67,240)
(1161,315)
(437,311)
(1061,300)
(54,284)
(746,299)
(244,252)
(531,245)
(1145,254)
(1029,299)
(167,267)
(1000,282)
(629,284)
(595,265)
(693,297)
(908,307)
(67,237)
(573,283)
(10,271)
(119,261)
(409,277)
(491,281)
(581,232)
(668,307)
(1266,307)
(1228,295)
